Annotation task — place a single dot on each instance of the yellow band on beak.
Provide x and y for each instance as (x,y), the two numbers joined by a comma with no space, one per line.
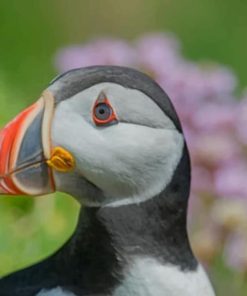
(61,160)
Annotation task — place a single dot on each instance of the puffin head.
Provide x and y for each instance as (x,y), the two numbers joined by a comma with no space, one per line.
(108,136)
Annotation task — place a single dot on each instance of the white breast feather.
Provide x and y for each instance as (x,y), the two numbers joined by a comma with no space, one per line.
(147,277)
(55,292)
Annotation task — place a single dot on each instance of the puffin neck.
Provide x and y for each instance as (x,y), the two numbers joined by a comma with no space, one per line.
(155,228)
(108,239)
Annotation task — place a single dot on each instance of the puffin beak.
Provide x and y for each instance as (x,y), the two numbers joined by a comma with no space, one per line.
(24,150)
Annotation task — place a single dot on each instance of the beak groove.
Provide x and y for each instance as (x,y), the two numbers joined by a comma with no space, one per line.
(49,104)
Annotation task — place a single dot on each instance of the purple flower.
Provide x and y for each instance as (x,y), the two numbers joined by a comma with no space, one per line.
(202,179)
(230,179)
(158,53)
(241,121)
(97,52)
(236,251)
(215,117)
(212,150)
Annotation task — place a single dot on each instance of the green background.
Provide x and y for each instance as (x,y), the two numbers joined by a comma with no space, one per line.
(30,34)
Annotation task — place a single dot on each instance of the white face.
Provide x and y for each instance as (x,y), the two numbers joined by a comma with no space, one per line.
(126,162)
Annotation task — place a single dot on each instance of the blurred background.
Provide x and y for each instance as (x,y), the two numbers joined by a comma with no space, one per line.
(196,50)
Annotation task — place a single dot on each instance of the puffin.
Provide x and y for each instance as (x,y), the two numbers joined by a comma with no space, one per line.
(110,137)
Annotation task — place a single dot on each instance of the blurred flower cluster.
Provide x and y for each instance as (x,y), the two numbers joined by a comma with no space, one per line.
(214,121)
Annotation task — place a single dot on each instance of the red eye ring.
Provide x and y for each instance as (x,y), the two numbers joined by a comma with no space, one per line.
(103,112)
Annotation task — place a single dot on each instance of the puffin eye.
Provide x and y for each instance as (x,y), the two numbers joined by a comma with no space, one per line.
(103,112)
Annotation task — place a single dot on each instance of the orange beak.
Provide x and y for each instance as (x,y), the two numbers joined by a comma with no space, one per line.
(24,150)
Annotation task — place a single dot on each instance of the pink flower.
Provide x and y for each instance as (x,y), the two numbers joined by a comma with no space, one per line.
(236,251)
(212,150)
(241,121)
(159,53)
(215,117)
(202,179)
(231,179)
(98,52)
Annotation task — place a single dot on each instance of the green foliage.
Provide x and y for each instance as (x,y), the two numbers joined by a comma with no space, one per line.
(30,230)
(226,281)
